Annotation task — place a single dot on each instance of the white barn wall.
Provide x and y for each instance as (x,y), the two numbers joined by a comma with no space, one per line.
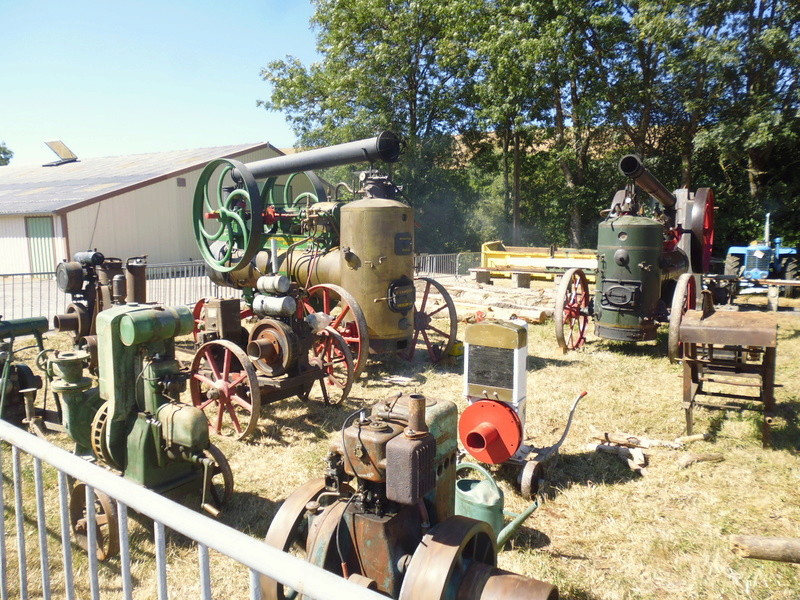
(155,219)
(14,245)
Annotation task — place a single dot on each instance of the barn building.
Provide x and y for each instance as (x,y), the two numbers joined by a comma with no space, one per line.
(123,206)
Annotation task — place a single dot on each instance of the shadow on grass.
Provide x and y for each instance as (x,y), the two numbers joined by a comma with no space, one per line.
(784,433)
(246,512)
(653,348)
(787,437)
(586,468)
(536,363)
(316,421)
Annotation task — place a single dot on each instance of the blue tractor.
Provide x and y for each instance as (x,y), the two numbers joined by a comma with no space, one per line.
(764,260)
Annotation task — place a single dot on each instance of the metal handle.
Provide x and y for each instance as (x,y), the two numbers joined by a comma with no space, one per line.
(481,470)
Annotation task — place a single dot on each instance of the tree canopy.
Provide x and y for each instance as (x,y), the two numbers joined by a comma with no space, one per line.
(516,112)
(5,154)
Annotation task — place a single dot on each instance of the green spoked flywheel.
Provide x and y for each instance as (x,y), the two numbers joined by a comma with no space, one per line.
(228,225)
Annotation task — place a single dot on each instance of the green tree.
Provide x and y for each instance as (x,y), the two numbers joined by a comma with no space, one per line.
(388,64)
(5,154)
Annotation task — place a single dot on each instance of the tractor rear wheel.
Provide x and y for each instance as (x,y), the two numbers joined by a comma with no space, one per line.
(733,264)
(790,272)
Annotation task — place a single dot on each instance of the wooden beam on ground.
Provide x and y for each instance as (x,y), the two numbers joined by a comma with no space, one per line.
(780,549)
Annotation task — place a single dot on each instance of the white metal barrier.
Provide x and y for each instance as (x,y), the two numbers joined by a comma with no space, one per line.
(253,554)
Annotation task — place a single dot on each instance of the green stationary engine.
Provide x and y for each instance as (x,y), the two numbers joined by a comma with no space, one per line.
(133,421)
(646,265)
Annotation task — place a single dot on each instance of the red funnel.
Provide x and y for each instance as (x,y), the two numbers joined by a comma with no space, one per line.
(490,431)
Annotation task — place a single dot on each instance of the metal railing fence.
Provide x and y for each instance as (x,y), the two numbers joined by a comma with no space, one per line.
(34,527)
(457,264)
(37,295)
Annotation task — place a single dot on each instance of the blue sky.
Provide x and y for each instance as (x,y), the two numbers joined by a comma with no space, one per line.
(116,78)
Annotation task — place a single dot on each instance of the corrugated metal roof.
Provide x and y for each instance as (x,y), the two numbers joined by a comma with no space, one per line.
(44,190)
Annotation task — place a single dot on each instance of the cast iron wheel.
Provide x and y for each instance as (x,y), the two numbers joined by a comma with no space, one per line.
(99,439)
(289,532)
(571,315)
(280,344)
(332,354)
(702,230)
(106,524)
(348,319)
(224,386)
(790,273)
(221,488)
(683,298)
(443,557)
(237,215)
(438,339)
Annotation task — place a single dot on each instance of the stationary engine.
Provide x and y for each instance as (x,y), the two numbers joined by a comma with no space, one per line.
(383,514)
(133,422)
(355,258)
(96,282)
(646,266)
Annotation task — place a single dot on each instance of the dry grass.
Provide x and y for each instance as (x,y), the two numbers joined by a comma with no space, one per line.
(603,533)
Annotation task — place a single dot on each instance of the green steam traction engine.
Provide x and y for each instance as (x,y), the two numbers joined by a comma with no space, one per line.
(133,422)
(351,263)
(647,267)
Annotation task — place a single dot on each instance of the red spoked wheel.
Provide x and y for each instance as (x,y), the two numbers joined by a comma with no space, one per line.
(198,312)
(571,313)
(683,298)
(435,321)
(331,353)
(224,385)
(702,225)
(348,319)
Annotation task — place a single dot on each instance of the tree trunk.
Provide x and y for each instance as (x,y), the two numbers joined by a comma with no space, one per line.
(515,210)
(574,227)
(506,181)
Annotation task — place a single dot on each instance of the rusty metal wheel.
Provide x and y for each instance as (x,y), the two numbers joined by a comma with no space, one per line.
(683,298)
(443,557)
(289,532)
(224,386)
(332,354)
(106,524)
(438,337)
(348,318)
(221,488)
(273,347)
(571,314)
